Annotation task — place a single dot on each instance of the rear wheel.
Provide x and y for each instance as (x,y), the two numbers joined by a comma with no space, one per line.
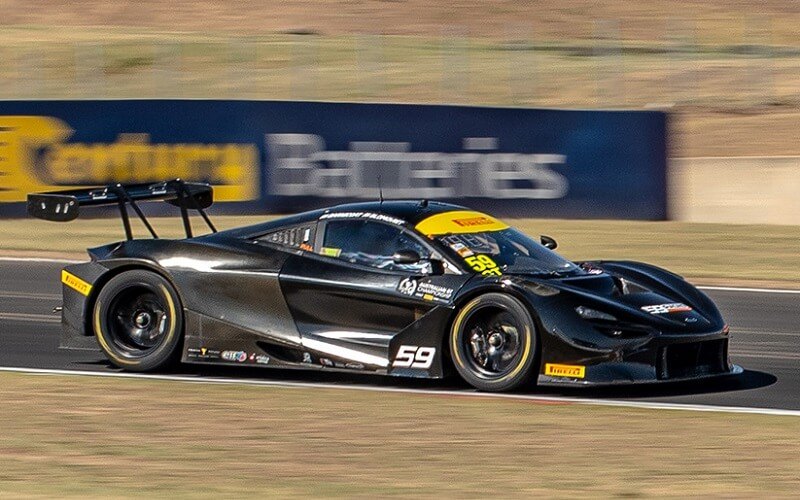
(493,343)
(137,320)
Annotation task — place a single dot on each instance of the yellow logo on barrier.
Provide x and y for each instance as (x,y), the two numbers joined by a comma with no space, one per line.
(34,156)
(571,371)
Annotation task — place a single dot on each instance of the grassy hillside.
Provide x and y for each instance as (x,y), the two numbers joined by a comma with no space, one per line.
(730,75)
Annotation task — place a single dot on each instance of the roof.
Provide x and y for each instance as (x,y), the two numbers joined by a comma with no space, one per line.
(410,211)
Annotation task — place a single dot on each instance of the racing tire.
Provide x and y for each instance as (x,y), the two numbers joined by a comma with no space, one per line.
(138,321)
(493,343)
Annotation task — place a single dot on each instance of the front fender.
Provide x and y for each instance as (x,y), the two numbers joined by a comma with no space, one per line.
(665,282)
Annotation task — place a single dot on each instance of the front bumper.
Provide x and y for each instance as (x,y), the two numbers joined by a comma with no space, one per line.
(655,359)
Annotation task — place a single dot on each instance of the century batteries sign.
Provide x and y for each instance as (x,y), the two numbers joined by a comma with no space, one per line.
(288,156)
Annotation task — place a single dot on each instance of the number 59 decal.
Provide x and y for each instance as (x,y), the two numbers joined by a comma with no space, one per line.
(484,265)
(411,356)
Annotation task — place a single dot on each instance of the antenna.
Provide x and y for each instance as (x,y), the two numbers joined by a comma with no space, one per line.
(380,189)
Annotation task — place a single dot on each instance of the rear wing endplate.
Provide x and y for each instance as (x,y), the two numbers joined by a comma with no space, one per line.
(63,206)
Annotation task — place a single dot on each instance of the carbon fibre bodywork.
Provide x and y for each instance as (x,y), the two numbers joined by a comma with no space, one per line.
(248,301)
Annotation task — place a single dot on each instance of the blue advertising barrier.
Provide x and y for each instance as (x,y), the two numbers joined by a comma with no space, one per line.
(280,156)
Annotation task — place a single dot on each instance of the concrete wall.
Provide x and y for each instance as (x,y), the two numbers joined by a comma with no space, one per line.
(740,190)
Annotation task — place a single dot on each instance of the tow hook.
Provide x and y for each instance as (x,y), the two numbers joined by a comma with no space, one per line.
(58,309)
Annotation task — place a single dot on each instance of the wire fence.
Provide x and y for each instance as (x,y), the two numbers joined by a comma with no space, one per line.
(680,67)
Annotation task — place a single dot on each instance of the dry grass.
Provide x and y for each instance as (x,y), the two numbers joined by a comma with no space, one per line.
(65,436)
(706,253)
(731,74)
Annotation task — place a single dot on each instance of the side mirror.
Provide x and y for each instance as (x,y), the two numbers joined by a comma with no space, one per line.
(437,267)
(406,257)
(548,242)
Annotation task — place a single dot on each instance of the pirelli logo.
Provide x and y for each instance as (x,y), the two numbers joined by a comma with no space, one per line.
(473,221)
(75,283)
(571,371)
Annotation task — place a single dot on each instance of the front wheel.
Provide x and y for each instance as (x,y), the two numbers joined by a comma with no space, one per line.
(493,343)
(138,321)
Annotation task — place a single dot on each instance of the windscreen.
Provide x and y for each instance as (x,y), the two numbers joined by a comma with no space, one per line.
(493,253)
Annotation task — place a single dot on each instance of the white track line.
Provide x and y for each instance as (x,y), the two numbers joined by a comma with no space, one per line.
(41,259)
(473,394)
(745,289)
(27,295)
(31,318)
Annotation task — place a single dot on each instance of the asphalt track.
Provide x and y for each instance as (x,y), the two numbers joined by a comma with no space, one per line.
(765,341)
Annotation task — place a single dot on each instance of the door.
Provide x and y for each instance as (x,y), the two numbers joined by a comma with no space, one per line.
(349,297)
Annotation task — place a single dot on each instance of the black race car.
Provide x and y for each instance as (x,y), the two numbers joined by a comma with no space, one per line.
(406,288)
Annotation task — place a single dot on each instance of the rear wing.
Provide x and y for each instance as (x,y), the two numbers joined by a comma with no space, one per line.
(63,206)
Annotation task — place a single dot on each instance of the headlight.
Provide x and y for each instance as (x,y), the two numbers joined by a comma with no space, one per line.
(586,313)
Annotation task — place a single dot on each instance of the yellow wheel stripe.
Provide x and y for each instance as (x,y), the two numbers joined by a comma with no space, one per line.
(174,316)
(101,338)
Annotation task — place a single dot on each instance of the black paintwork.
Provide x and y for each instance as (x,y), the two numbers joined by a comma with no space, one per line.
(287,307)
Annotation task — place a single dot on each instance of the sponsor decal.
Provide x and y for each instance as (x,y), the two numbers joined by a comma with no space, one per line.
(202,353)
(262,359)
(35,156)
(237,356)
(325,362)
(307,357)
(363,215)
(462,250)
(424,290)
(474,221)
(411,356)
(570,371)
(459,222)
(483,264)
(331,252)
(75,283)
(666,308)
(407,286)
(354,366)
(437,291)
(300,167)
